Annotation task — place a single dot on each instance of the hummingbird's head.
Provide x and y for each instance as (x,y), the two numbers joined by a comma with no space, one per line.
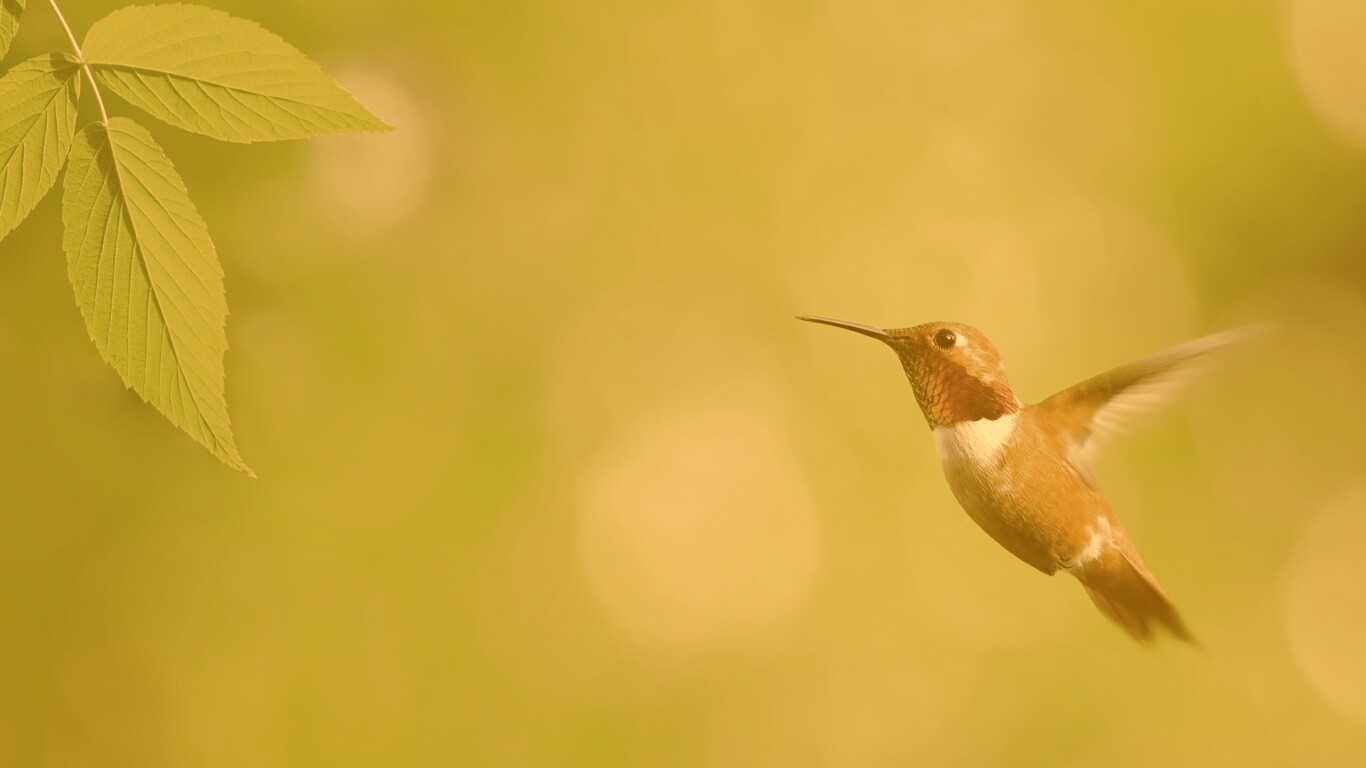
(954,369)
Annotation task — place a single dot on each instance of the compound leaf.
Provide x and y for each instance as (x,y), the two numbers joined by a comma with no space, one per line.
(37,123)
(205,71)
(147,279)
(10,11)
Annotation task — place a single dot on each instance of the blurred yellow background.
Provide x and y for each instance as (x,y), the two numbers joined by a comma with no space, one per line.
(549,476)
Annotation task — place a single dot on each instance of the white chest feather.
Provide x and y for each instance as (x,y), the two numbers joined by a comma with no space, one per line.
(976,442)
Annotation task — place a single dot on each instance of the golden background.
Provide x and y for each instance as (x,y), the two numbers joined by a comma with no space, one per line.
(549,476)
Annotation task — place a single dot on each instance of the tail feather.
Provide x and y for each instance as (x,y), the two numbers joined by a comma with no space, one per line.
(1127,593)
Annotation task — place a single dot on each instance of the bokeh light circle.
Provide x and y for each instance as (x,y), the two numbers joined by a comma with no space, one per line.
(1324,589)
(374,182)
(1328,59)
(696,532)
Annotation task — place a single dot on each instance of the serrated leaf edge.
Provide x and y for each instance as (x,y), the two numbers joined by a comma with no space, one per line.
(218,450)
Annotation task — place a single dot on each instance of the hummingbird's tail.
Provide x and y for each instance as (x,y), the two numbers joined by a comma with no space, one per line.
(1123,589)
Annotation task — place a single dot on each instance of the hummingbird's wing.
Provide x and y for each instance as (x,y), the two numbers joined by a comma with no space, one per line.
(1103,405)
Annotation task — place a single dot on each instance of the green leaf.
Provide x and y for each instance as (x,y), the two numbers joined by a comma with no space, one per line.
(10,11)
(37,122)
(147,279)
(205,71)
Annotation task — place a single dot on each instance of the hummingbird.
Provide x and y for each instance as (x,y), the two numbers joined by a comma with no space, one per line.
(1023,472)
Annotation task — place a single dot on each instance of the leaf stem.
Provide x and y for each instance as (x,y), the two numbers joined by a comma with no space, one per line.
(75,46)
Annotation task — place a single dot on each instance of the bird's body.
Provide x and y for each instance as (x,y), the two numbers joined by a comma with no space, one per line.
(1022,472)
(1011,477)
(1007,476)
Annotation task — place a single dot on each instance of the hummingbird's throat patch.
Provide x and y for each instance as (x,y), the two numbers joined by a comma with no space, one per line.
(954,395)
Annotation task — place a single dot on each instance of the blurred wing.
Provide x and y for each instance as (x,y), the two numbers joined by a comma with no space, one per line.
(1106,404)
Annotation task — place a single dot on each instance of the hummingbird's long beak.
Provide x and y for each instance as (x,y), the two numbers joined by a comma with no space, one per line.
(866,330)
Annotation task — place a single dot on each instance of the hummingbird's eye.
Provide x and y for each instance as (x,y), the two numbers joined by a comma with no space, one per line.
(945,338)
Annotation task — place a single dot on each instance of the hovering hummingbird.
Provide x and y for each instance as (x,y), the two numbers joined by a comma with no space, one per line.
(1022,472)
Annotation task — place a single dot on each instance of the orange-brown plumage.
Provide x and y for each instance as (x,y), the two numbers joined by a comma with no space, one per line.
(1022,471)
